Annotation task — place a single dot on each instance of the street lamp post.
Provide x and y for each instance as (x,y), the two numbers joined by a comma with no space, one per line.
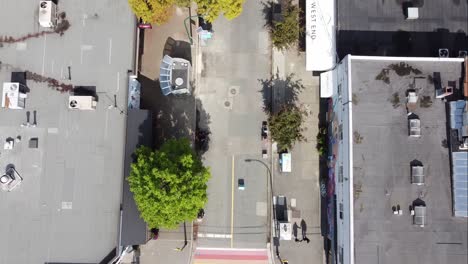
(275,238)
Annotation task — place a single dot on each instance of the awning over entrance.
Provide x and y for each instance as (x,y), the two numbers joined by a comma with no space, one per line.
(327,82)
(320,35)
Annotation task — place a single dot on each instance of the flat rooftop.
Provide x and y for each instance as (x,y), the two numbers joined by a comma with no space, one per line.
(382,152)
(367,27)
(67,208)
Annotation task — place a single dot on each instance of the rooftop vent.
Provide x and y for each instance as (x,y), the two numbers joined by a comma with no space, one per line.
(412,13)
(444,53)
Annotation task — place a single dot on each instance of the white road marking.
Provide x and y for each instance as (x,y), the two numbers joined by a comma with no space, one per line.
(44,54)
(118,82)
(110,51)
(210,235)
(106,124)
(84,48)
(231,249)
(52,70)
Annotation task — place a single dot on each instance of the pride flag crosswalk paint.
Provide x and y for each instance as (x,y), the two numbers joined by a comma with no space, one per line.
(230,256)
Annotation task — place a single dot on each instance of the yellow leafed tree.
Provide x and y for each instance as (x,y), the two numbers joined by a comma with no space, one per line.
(159,11)
(152,11)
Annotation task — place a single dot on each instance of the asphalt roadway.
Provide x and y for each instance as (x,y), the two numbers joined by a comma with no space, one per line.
(229,90)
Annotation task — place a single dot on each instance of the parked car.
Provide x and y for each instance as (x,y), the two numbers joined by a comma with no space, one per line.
(200,215)
(241,184)
(264,129)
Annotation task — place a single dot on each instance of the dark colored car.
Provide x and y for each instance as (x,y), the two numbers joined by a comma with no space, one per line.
(264,129)
(200,215)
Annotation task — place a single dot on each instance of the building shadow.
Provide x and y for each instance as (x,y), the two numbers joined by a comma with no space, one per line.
(401,43)
(173,116)
(178,49)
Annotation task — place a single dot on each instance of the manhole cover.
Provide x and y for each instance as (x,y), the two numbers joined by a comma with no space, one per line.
(227,104)
(233,91)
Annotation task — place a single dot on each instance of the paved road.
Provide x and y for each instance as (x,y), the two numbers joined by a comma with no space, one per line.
(229,92)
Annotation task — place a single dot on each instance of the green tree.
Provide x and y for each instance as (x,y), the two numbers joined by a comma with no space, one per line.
(286,126)
(286,32)
(169,184)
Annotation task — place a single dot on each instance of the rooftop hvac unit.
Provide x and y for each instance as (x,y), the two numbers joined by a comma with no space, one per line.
(412,13)
(82,102)
(47,14)
(444,53)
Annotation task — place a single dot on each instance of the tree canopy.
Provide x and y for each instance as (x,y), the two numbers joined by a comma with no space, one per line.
(159,11)
(211,9)
(169,184)
(286,126)
(286,32)
(152,11)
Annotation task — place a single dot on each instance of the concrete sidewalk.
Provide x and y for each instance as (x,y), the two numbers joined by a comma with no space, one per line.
(302,183)
(174,117)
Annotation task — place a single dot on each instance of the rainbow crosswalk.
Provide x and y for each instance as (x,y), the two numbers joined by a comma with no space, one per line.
(230,256)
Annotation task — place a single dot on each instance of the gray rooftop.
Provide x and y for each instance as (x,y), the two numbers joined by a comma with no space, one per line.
(369,27)
(382,168)
(370,15)
(139,127)
(67,208)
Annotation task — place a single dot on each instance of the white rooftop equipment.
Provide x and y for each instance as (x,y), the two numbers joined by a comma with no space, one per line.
(47,14)
(412,13)
(285,231)
(417,175)
(419,217)
(443,92)
(414,125)
(10,180)
(82,102)
(12,97)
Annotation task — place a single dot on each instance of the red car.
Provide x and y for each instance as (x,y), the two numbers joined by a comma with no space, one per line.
(145,26)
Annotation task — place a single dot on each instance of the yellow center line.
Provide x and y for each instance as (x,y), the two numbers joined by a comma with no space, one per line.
(232,201)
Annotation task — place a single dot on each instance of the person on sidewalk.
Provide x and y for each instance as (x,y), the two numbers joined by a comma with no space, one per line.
(295,227)
(304,230)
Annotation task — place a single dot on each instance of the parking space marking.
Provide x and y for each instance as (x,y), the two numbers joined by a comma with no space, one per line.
(44,54)
(232,200)
(110,51)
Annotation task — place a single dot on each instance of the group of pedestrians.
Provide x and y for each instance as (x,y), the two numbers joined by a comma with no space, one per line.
(303,228)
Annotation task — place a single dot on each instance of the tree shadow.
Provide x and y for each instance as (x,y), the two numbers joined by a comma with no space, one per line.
(269,9)
(202,130)
(173,116)
(278,93)
(178,49)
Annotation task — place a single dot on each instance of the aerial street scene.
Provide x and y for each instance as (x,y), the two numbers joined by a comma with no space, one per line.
(234,132)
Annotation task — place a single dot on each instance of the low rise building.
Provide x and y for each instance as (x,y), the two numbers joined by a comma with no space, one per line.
(397,182)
